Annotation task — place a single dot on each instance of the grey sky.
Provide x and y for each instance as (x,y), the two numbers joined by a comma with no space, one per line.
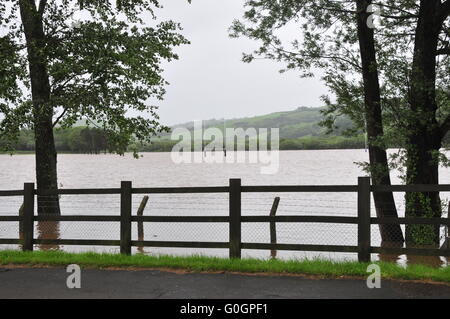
(211,81)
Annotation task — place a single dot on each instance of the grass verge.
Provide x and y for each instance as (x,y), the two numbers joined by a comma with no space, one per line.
(320,267)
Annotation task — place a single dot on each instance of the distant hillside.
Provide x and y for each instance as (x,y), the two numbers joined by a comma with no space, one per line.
(299,130)
(302,122)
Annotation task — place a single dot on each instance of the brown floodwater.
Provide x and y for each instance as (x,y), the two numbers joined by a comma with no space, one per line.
(322,167)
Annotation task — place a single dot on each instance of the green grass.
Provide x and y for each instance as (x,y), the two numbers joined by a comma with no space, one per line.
(325,268)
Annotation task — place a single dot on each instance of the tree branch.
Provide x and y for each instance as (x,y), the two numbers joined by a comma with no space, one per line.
(445,126)
(60,117)
(319,56)
(42,5)
(444,10)
(443,51)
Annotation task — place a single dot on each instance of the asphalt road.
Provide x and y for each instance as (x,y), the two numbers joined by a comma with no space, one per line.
(152,284)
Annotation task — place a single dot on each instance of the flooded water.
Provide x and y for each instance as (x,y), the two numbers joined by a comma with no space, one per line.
(323,167)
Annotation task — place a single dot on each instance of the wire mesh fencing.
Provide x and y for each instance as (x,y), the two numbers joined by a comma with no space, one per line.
(253,204)
(300,204)
(306,218)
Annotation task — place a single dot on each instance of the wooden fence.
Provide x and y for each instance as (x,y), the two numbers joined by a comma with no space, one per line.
(235,218)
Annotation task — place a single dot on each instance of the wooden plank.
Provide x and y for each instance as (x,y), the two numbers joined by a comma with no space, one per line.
(179,244)
(300,219)
(12,218)
(80,242)
(411,188)
(224,189)
(11,193)
(301,188)
(9,241)
(182,219)
(235,218)
(410,220)
(21,222)
(273,226)
(411,251)
(212,219)
(364,219)
(79,191)
(28,217)
(301,247)
(180,190)
(125,215)
(78,218)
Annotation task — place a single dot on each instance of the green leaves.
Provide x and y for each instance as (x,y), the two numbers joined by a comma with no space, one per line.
(326,39)
(106,70)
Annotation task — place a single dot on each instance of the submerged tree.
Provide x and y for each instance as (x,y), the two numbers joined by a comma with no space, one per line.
(427,113)
(56,69)
(397,76)
(334,37)
(413,51)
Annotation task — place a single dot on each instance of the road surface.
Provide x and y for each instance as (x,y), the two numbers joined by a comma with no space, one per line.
(152,284)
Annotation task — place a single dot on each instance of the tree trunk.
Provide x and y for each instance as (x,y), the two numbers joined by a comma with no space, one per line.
(425,136)
(384,202)
(46,174)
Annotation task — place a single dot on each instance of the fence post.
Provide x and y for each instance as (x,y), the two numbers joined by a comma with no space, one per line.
(140,212)
(21,222)
(28,216)
(364,219)
(235,218)
(273,226)
(125,218)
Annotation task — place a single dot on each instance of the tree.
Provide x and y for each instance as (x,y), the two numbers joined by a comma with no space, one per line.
(104,69)
(405,71)
(384,202)
(335,38)
(426,133)
(415,64)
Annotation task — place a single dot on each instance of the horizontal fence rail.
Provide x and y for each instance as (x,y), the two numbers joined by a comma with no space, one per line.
(234,219)
(4,193)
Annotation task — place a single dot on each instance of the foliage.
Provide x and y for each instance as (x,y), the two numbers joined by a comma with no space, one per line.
(327,40)
(105,68)
(299,130)
(92,140)
(303,121)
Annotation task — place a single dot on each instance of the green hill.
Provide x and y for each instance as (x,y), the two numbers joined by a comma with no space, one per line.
(299,129)
(304,121)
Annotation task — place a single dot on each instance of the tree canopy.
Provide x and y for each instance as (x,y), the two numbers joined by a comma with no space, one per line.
(327,40)
(393,81)
(64,60)
(104,67)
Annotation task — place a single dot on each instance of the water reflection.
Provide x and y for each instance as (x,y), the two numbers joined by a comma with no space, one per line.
(431,261)
(48,230)
(394,258)
(273,254)
(410,259)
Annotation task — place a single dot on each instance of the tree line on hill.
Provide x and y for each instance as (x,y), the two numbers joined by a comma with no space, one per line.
(87,140)
(92,140)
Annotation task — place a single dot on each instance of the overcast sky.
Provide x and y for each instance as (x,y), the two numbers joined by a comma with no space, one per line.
(211,81)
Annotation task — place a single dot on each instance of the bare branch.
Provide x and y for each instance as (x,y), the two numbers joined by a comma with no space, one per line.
(60,117)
